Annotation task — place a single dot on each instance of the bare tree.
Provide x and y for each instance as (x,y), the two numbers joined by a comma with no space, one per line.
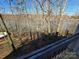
(21,6)
(1,9)
(61,5)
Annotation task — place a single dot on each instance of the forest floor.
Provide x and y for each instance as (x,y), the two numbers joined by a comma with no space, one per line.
(31,46)
(5,49)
